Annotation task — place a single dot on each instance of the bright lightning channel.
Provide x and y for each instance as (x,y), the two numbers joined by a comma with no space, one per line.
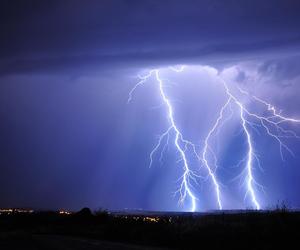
(248,120)
(267,122)
(185,189)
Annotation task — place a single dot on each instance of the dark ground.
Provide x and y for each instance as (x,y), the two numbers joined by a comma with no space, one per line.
(250,230)
(59,242)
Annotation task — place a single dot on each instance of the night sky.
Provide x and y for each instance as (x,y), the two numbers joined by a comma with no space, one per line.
(68,137)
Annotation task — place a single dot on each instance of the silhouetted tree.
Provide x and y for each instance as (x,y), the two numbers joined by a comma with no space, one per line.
(85,212)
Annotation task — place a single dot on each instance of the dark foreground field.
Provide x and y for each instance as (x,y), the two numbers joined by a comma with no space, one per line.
(251,230)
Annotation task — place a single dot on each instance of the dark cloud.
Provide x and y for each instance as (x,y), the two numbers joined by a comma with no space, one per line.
(58,35)
(282,69)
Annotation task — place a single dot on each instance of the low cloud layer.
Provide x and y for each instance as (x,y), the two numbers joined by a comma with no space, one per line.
(60,36)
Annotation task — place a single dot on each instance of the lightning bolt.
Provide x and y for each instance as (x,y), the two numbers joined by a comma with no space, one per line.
(181,144)
(206,150)
(272,123)
(267,122)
